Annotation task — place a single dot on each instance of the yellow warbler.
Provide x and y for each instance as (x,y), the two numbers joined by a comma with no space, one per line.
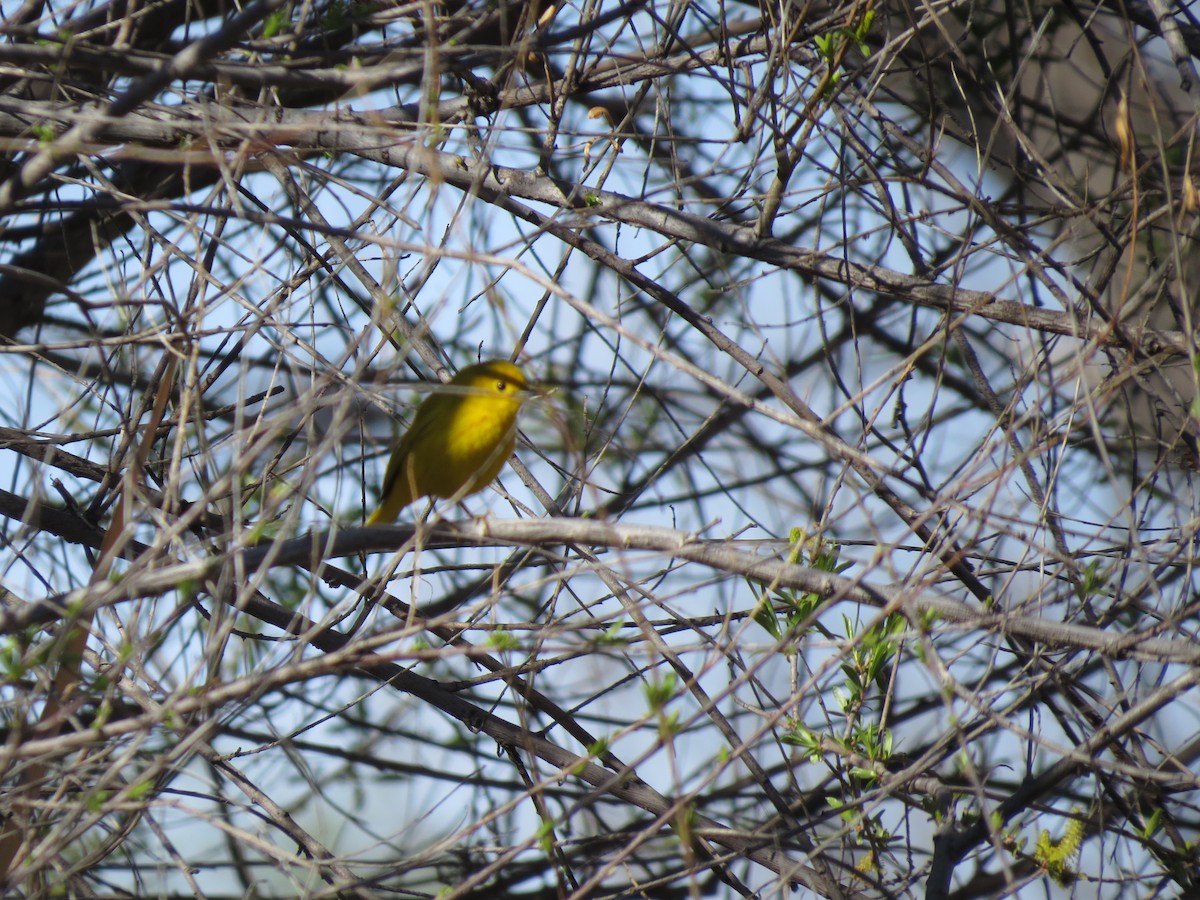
(459,440)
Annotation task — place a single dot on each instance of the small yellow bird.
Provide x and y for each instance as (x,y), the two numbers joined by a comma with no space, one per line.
(459,440)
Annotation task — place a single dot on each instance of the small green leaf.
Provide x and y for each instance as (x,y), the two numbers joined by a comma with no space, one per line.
(545,837)
(659,694)
(503,639)
(96,800)
(612,635)
(765,616)
(668,725)
(275,22)
(1152,824)
(806,739)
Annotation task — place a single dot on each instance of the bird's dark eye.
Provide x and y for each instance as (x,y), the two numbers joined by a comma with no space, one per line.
(501,386)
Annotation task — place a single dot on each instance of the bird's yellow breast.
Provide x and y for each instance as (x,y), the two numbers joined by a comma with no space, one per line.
(469,453)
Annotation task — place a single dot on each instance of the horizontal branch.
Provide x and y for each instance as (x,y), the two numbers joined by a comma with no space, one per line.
(373,136)
(377,141)
(721,555)
(341,654)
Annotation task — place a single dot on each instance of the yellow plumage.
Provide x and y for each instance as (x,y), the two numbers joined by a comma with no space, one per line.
(459,440)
